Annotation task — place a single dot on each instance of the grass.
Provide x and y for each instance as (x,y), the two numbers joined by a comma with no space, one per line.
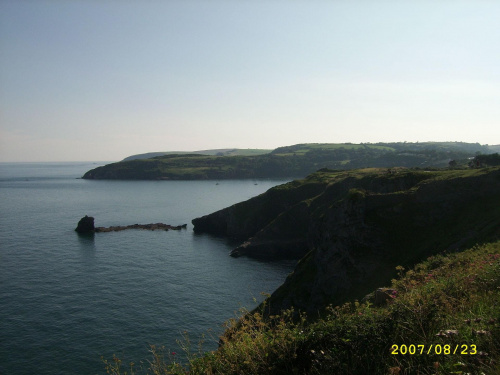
(446,311)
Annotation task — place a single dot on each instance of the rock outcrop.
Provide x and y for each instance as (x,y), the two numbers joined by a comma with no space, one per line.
(156,226)
(86,225)
(380,297)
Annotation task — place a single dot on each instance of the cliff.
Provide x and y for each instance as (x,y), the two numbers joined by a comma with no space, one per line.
(351,228)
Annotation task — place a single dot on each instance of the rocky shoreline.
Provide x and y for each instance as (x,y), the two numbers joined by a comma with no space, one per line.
(156,226)
(86,225)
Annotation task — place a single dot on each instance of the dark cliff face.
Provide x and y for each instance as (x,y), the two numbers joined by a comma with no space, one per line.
(355,227)
(279,223)
(358,241)
(244,220)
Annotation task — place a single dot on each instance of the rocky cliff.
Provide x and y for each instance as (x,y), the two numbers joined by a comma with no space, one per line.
(244,220)
(351,228)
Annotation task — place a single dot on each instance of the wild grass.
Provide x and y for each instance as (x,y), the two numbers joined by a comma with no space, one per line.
(445,311)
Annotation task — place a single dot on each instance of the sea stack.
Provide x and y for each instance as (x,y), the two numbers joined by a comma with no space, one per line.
(85,225)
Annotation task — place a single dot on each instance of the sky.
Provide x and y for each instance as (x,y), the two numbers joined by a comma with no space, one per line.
(97,80)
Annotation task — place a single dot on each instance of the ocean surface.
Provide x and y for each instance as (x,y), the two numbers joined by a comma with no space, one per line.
(66,299)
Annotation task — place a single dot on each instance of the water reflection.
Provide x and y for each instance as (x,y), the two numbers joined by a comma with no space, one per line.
(87,243)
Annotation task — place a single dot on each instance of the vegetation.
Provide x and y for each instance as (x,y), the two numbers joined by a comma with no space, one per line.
(441,317)
(486,160)
(290,161)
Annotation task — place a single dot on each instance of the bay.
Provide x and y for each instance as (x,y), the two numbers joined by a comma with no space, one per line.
(66,300)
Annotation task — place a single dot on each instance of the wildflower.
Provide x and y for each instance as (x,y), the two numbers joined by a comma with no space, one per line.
(174,353)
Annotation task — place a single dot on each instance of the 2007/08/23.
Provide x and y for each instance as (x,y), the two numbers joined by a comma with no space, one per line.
(412,349)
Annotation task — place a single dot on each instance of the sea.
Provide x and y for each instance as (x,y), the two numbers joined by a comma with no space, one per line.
(70,301)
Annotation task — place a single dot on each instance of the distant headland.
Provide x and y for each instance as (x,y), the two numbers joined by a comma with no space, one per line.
(295,161)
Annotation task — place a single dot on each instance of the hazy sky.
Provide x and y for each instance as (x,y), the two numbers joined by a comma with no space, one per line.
(101,80)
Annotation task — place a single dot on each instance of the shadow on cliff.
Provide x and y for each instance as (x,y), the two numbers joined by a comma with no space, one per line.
(350,229)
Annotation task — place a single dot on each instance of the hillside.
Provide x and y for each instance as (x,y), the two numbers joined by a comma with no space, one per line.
(441,317)
(288,162)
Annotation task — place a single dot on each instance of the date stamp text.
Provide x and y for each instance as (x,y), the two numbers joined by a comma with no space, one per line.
(412,349)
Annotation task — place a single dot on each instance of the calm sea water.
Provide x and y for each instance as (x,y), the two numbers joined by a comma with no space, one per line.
(66,300)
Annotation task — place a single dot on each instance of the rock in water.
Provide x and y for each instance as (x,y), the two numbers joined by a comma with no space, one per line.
(85,225)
